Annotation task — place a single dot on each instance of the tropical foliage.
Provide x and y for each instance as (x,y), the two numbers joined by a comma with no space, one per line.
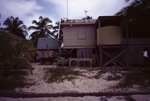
(0,17)
(42,29)
(139,10)
(16,26)
(62,61)
(24,48)
(6,50)
(56,30)
(11,54)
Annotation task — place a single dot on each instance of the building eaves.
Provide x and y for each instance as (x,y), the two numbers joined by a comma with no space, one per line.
(79,22)
(11,35)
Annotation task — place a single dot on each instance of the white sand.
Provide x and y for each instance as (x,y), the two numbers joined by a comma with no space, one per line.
(81,85)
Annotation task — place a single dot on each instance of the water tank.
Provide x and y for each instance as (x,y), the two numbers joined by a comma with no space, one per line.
(110,35)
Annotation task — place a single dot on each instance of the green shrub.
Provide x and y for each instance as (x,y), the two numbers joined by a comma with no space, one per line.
(101,71)
(141,79)
(59,75)
(62,61)
(114,77)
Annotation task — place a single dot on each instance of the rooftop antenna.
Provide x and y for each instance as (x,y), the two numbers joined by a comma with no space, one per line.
(85,12)
(67,9)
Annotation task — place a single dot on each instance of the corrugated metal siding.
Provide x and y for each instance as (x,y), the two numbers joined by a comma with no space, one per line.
(80,21)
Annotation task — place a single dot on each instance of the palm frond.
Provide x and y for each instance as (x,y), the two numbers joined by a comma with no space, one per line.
(40,18)
(33,28)
(35,22)
(15,26)
(136,11)
(49,27)
(62,61)
(34,34)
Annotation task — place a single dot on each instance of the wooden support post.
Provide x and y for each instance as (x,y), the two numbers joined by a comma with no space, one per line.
(101,56)
(110,56)
(97,58)
(84,50)
(127,57)
(100,49)
(47,50)
(114,57)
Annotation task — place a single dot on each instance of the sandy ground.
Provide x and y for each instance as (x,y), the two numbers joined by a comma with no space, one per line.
(81,85)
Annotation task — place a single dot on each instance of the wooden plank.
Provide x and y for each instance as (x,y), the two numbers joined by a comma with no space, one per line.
(110,56)
(79,60)
(127,57)
(99,31)
(101,55)
(114,57)
(139,41)
(97,59)
(73,31)
(47,50)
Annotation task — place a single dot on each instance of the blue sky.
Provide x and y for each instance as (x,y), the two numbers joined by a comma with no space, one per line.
(28,10)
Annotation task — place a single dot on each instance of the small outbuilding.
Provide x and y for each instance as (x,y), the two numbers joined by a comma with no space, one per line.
(47,47)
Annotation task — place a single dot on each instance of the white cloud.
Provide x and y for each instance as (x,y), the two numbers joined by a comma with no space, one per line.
(95,8)
(25,10)
(28,10)
(18,7)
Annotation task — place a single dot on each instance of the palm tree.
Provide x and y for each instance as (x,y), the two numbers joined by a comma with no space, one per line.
(16,27)
(42,29)
(12,53)
(139,10)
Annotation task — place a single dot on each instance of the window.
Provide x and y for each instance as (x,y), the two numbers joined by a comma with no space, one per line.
(81,34)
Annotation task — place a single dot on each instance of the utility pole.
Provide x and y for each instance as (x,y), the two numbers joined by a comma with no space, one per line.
(67,9)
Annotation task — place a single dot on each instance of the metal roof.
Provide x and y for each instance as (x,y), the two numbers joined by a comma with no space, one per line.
(108,18)
(47,43)
(11,35)
(79,22)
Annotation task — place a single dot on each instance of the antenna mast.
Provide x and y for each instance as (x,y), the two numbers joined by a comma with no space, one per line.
(67,9)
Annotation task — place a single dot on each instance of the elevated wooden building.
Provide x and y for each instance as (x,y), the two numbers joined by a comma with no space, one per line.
(107,40)
(80,39)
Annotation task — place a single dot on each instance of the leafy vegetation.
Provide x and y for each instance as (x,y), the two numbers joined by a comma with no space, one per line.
(141,78)
(101,71)
(114,77)
(62,61)
(11,57)
(59,75)
(14,80)
(13,66)
(137,11)
(24,48)
(42,29)
(16,27)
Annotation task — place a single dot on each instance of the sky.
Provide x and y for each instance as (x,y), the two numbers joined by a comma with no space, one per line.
(29,10)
